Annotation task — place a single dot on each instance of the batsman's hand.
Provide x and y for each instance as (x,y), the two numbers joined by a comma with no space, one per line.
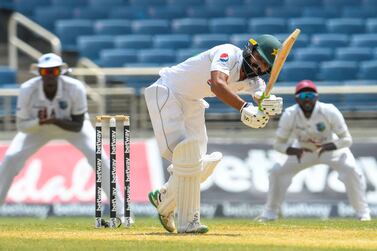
(253,117)
(272,105)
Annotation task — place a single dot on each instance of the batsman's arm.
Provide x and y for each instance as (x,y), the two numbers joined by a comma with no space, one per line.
(220,88)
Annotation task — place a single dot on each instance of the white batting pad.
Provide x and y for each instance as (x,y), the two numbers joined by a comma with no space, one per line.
(209,164)
(188,201)
(187,167)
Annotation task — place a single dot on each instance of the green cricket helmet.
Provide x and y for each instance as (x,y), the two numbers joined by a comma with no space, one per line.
(267,46)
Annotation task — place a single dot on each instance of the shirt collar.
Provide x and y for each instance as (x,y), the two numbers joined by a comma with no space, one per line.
(59,92)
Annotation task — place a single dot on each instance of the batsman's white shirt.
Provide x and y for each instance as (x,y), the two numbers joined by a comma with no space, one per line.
(324,126)
(70,100)
(175,101)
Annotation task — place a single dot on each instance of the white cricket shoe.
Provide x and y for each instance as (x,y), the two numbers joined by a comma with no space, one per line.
(194,227)
(267,216)
(365,217)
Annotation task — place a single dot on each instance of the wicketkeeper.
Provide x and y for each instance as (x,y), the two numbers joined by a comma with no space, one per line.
(176,107)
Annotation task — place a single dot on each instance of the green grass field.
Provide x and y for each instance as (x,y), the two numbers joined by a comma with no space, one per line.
(224,234)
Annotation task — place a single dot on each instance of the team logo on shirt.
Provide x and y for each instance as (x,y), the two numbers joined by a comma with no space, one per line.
(320,126)
(63,104)
(224,57)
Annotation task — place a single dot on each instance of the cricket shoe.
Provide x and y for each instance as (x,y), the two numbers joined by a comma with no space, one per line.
(132,221)
(194,227)
(365,217)
(267,216)
(166,221)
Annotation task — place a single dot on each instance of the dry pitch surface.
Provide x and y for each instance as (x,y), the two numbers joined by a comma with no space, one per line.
(224,234)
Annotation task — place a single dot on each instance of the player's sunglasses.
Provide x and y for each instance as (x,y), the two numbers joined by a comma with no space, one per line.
(306,95)
(55,71)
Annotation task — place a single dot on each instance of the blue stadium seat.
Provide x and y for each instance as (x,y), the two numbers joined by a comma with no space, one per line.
(368,70)
(207,41)
(308,25)
(357,12)
(340,3)
(112,27)
(364,40)
(329,40)
(151,26)
(267,25)
(134,42)
(46,16)
(360,101)
(105,3)
(91,13)
(264,3)
(320,12)
(205,12)
(7,4)
(371,25)
(345,25)
(26,7)
(69,3)
(300,3)
(244,11)
(296,71)
(283,12)
(240,40)
(157,56)
(7,76)
(190,26)
(147,3)
(319,54)
(184,3)
(184,54)
(354,54)
(117,57)
(223,3)
(69,30)
(302,40)
(228,25)
(172,41)
(338,70)
(167,12)
(129,12)
(369,4)
(90,46)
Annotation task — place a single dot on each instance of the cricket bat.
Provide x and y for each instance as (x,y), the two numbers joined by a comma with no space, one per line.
(279,62)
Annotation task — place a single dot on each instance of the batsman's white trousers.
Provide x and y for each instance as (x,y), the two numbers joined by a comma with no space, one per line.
(24,145)
(341,160)
(175,118)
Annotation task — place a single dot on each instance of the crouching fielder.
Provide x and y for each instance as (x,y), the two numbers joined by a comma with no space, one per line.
(321,137)
(176,107)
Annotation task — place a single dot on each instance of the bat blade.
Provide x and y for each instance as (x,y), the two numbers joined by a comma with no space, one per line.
(280,60)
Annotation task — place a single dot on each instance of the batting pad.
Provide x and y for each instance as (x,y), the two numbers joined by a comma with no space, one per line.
(209,164)
(187,167)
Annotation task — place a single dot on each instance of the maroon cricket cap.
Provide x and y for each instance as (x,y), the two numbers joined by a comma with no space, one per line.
(305,84)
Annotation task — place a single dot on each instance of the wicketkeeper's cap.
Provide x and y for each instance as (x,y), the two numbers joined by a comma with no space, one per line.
(306,84)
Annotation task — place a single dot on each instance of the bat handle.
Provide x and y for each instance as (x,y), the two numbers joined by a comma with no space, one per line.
(264,95)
